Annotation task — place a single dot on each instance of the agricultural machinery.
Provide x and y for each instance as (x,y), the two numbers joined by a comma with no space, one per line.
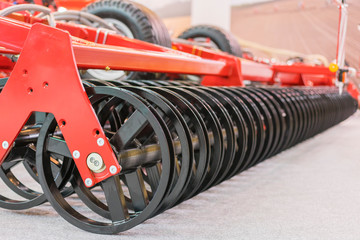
(172,120)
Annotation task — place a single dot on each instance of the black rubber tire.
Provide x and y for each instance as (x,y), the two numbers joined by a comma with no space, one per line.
(223,39)
(144,24)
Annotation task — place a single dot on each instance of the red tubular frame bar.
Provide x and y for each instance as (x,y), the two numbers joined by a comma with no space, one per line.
(236,69)
(240,68)
(92,55)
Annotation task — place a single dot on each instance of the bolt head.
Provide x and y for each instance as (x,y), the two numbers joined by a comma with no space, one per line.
(88,182)
(95,162)
(76,154)
(112,169)
(100,142)
(5,145)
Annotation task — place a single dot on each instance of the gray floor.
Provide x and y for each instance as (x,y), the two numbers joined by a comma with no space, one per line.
(311,191)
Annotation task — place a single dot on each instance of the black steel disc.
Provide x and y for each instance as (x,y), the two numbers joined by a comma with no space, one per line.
(182,142)
(240,129)
(198,129)
(227,128)
(213,128)
(267,119)
(274,119)
(250,122)
(114,189)
(259,123)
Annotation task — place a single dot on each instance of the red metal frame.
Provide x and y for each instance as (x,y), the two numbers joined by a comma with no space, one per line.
(233,72)
(59,55)
(60,52)
(7,66)
(227,70)
(99,56)
(73,4)
(68,4)
(240,68)
(30,89)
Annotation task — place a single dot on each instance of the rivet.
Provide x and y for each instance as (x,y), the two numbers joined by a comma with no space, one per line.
(5,145)
(100,142)
(88,182)
(113,169)
(76,154)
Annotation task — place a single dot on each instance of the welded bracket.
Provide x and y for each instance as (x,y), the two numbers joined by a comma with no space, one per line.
(232,76)
(46,79)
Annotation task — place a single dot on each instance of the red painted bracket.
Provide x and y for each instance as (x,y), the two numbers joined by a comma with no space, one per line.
(353,91)
(234,78)
(46,79)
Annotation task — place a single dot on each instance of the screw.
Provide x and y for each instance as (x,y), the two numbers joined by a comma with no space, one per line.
(100,141)
(5,145)
(113,169)
(76,154)
(88,182)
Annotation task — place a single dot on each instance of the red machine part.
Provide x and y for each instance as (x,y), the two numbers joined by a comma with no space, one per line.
(128,54)
(6,66)
(286,75)
(58,55)
(5,4)
(29,84)
(354,92)
(299,74)
(92,55)
(73,4)
(68,4)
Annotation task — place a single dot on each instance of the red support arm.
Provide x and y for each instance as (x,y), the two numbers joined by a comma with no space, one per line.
(91,55)
(45,79)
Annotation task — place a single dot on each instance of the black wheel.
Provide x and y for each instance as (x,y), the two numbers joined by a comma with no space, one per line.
(213,125)
(132,20)
(219,38)
(227,129)
(19,174)
(181,139)
(136,193)
(25,190)
(240,133)
(198,127)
